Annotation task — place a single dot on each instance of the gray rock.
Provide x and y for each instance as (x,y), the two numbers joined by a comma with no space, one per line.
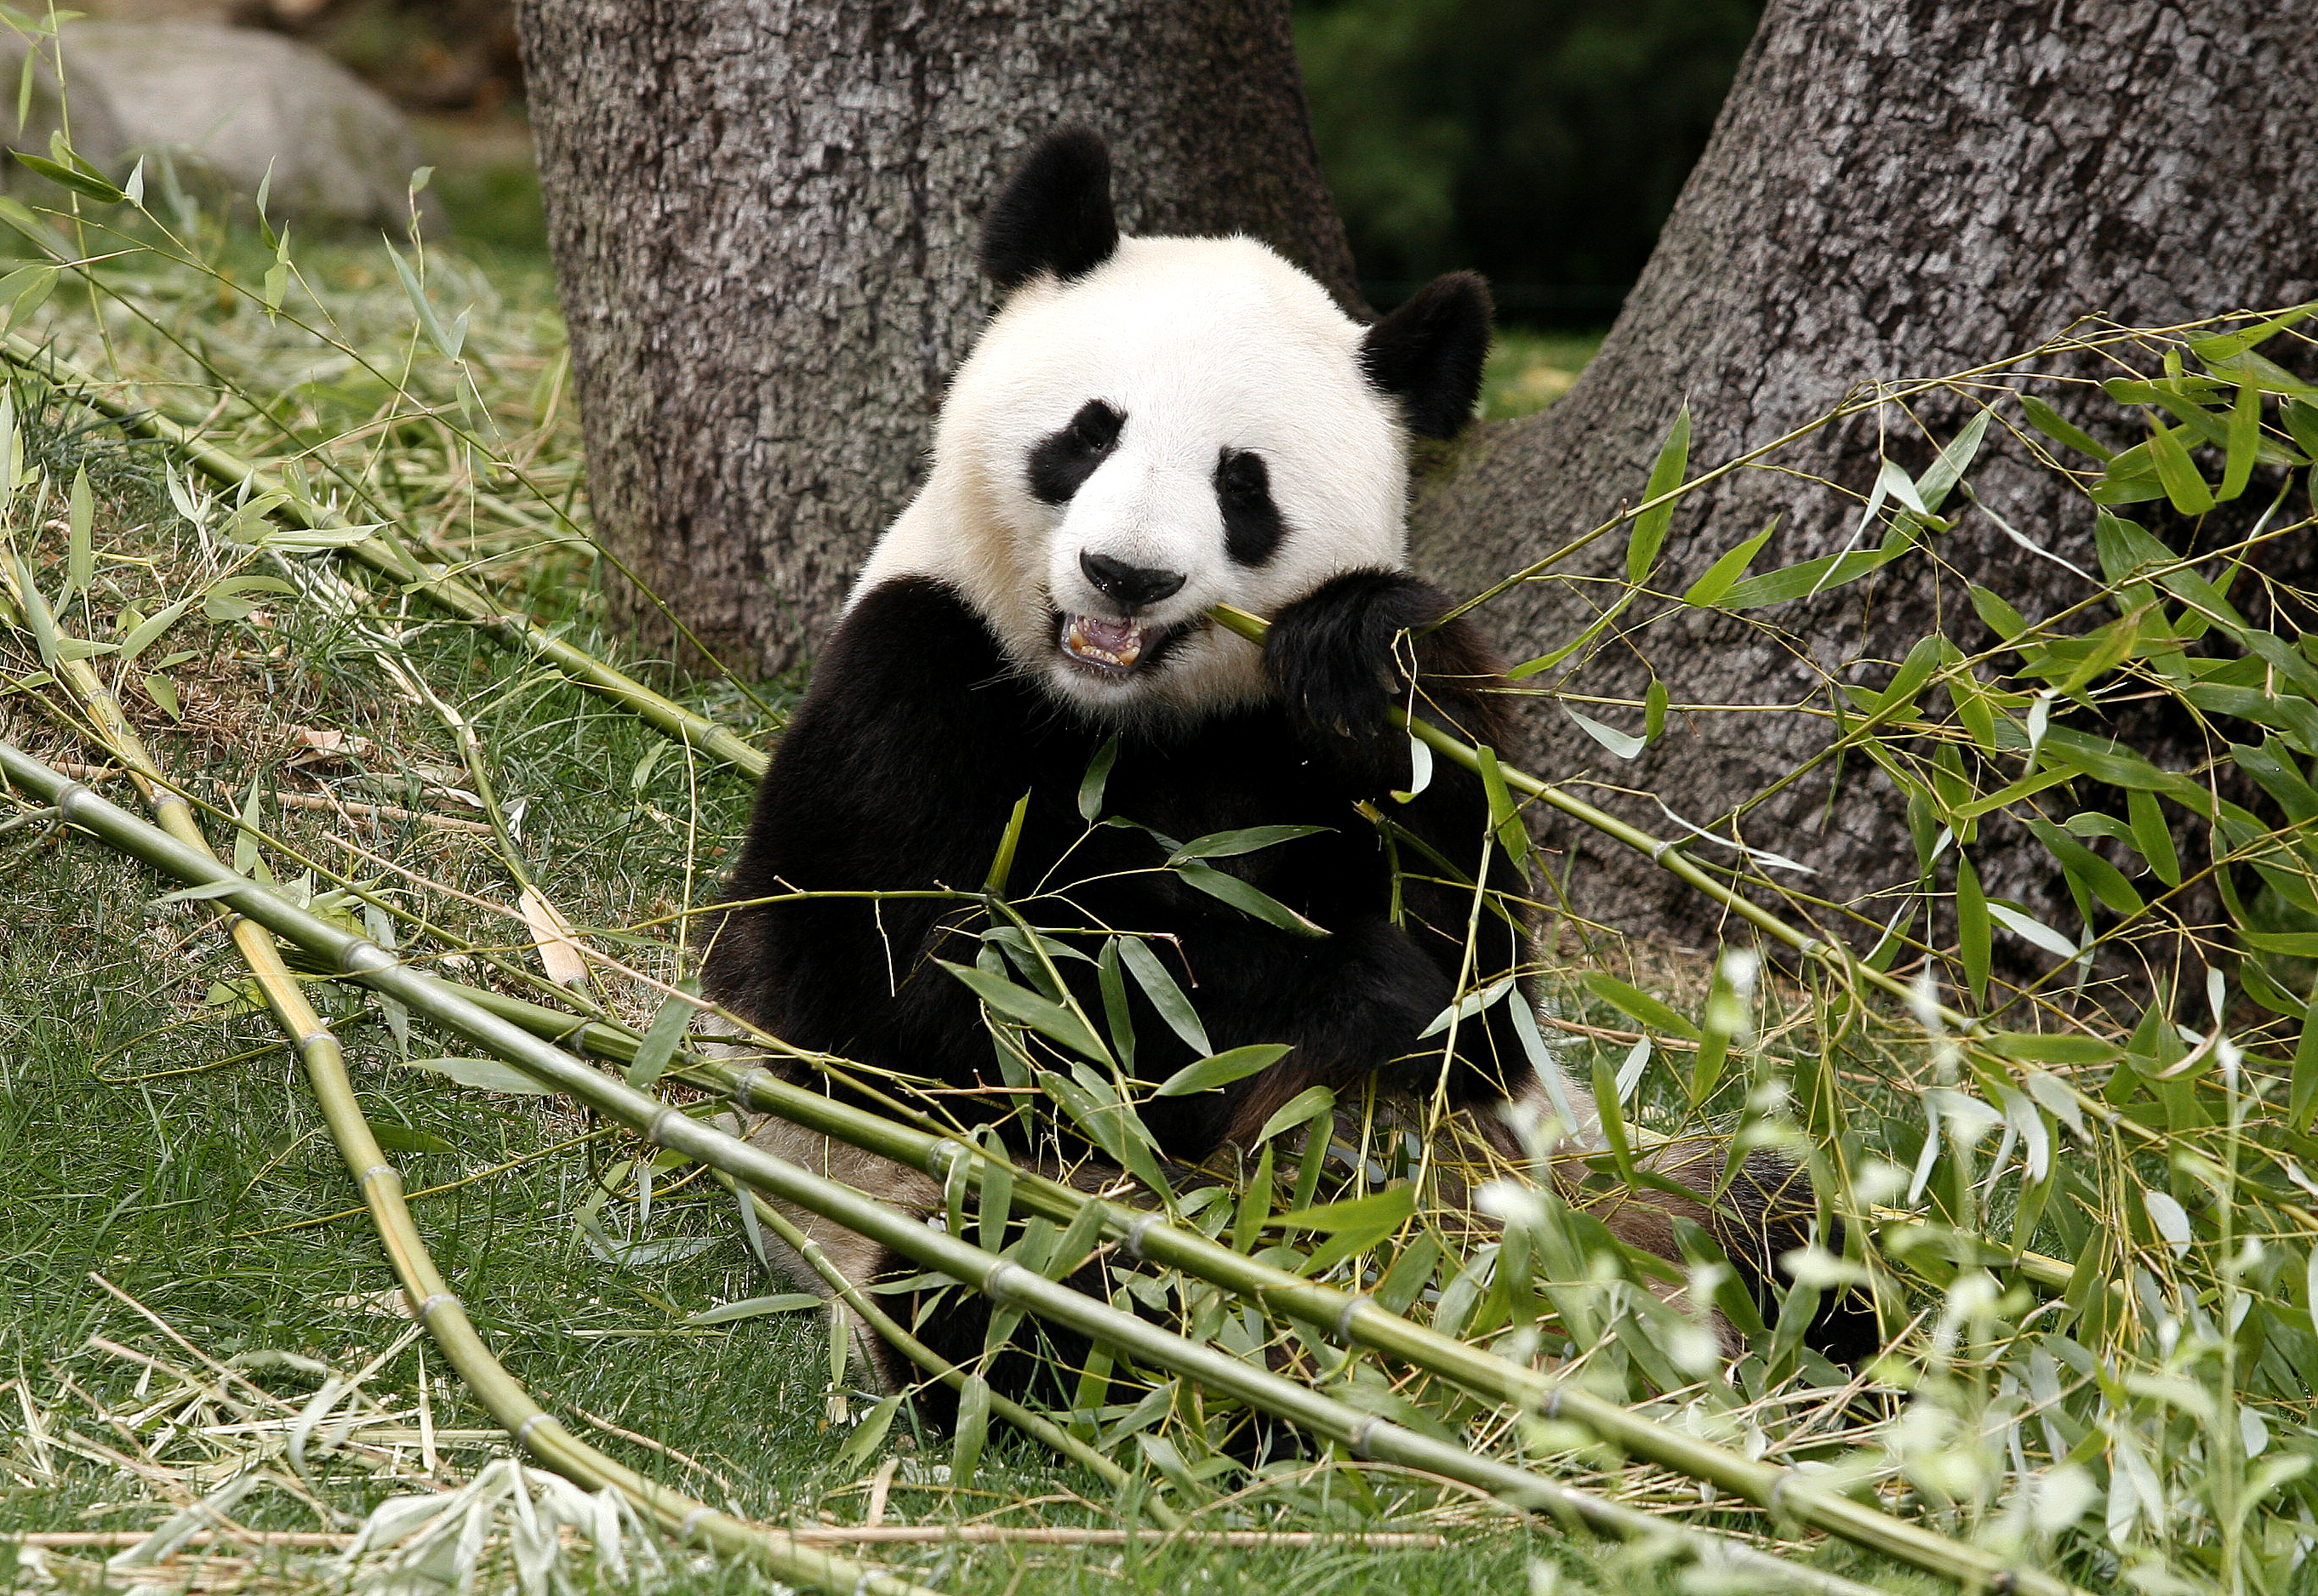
(96,134)
(232,101)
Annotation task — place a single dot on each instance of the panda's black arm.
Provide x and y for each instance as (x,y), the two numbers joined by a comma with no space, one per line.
(1338,662)
(1340,659)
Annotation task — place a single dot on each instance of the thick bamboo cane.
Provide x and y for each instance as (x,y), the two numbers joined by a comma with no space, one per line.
(1364,1434)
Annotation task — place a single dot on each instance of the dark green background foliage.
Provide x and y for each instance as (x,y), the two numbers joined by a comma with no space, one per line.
(1540,142)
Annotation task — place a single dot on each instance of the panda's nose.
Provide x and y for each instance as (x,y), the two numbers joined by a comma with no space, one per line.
(1130,586)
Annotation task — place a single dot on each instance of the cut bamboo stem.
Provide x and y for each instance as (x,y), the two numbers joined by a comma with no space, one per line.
(661,1123)
(1356,1320)
(439,1310)
(981,1534)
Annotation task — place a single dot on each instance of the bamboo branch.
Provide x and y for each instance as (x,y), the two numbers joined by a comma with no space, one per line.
(384,552)
(664,1125)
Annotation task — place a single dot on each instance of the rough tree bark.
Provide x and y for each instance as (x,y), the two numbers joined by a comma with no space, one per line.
(763,214)
(1895,189)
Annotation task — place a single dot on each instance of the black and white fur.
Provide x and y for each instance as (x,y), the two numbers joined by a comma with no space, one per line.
(1148,428)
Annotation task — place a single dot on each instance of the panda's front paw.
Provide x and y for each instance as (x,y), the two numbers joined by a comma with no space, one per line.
(1332,660)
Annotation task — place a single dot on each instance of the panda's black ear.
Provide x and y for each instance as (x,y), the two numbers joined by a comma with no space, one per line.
(1053,214)
(1428,354)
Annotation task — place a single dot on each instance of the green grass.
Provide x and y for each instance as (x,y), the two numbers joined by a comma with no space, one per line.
(1527,371)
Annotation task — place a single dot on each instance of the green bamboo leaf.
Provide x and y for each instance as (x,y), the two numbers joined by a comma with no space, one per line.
(659,1044)
(225,601)
(446,343)
(1650,534)
(2303,1097)
(1221,845)
(972,1430)
(2177,473)
(2244,442)
(1151,974)
(1600,625)
(1048,1019)
(2152,836)
(1098,775)
(1908,682)
(1379,1213)
(1001,862)
(1725,572)
(1827,572)
(1247,899)
(26,289)
(2265,374)
(2081,863)
(1654,710)
(1313,1102)
(80,561)
(1640,1005)
(1219,1070)
(2229,346)
(2049,421)
(483,1074)
(309,540)
(403,1138)
(755,1307)
(1948,468)
(867,1436)
(2297,944)
(2280,776)
(1506,819)
(164,692)
(1994,613)
(2301,422)
(64,176)
(1972,928)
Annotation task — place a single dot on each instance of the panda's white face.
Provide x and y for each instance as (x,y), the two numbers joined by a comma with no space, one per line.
(1186,425)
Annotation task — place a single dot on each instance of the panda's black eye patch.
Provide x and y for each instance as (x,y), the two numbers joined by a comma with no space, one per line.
(1062,461)
(1251,524)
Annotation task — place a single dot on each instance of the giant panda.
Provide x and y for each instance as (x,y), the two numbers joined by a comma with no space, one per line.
(1148,428)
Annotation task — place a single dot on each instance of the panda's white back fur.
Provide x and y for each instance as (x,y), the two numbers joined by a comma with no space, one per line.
(1204,344)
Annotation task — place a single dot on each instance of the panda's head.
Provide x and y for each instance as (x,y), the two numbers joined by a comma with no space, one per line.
(1150,426)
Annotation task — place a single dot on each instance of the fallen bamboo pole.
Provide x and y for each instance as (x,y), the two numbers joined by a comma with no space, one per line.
(532,1427)
(983,1535)
(661,1123)
(1347,1317)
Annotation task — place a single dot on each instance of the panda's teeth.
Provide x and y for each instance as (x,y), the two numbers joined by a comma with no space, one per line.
(1120,648)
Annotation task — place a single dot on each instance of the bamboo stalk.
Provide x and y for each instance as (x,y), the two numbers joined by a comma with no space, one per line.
(436,1307)
(985,1535)
(1365,1435)
(324,802)
(1345,1316)
(383,553)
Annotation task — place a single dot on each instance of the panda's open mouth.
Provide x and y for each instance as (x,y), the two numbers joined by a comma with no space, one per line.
(1110,646)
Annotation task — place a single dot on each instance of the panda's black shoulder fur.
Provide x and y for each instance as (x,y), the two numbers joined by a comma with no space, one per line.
(901,768)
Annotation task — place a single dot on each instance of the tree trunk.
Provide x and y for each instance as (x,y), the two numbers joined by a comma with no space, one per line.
(1895,189)
(763,215)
